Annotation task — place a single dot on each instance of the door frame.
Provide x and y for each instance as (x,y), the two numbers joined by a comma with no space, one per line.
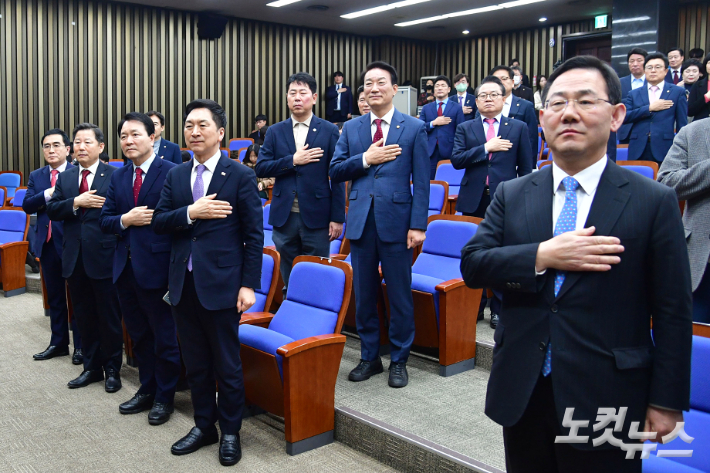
(568,40)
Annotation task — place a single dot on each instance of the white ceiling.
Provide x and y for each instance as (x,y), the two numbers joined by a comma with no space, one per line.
(298,14)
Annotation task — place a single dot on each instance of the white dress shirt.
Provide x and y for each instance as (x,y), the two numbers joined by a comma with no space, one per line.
(384,125)
(651,97)
(300,133)
(507,105)
(89,178)
(144,167)
(496,126)
(337,103)
(636,83)
(210,166)
(461,99)
(61,169)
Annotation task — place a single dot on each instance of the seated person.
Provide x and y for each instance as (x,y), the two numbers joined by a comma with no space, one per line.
(259,131)
(250,161)
(186,156)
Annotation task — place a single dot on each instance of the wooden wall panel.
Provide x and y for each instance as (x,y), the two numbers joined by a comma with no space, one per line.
(693,26)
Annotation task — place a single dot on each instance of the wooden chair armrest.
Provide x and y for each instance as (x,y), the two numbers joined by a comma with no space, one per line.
(10,246)
(309,343)
(454,197)
(257,318)
(450,285)
(338,256)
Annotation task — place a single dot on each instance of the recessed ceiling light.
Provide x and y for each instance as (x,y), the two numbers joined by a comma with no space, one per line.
(381,8)
(473,11)
(281,3)
(542,19)
(465,32)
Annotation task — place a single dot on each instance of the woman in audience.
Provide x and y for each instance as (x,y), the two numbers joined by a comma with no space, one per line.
(691,74)
(428,94)
(698,106)
(541,81)
(250,159)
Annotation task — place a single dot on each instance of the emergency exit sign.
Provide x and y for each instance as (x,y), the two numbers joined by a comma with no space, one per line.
(601,21)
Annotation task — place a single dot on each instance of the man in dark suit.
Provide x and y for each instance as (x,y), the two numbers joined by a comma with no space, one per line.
(441,118)
(636,79)
(466,100)
(211,208)
(526,79)
(519,89)
(514,107)
(559,344)
(163,148)
(674,75)
(140,268)
(655,112)
(386,218)
(338,100)
(305,213)
(87,258)
(259,132)
(46,243)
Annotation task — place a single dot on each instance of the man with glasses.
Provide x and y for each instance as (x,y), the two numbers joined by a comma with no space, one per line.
(655,112)
(585,253)
(636,59)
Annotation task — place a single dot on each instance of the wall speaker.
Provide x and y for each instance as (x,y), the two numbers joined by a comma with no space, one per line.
(210,26)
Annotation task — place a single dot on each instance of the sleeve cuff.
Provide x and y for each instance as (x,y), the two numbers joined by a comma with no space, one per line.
(120,221)
(364,161)
(46,195)
(187,214)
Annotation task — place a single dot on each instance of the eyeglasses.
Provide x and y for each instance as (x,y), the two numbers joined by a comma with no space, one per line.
(49,146)
(585,104)
(484,96)
(657,67)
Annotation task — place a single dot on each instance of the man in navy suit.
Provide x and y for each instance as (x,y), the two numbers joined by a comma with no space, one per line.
(463,98)
(441,117)
(656,112)
(140,268)
(305,213)
(211,208)
(586,252)
(379,152)
(47,244)
(636,79)
(163,148)
(674,75)
(338,100)
(515,107)
(87,258)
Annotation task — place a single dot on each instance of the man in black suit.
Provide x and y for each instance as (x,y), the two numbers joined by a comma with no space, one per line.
(305,213)
(46,240)
(79,195)
(464,96)
(636,59)
(519,89)
(211,208)
(140,268)
(338,100)
(526,79)
(259,131)
(675,66)
(574,326)
(163,148)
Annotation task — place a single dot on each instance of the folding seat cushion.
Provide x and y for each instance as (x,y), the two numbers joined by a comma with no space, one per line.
(446,172)
(267,271)
(12,226)
(337,244)
(437,198)
(268,229)
(235,144)
(10,181)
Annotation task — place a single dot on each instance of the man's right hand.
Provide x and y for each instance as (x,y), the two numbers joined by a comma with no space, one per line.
(442,120)
(342,89)
(137,217)
(467,110)
(307,156)
(377,154)
(50,191)
(578,251)
(207,208)
(659,105)
(498,144)
(89,200)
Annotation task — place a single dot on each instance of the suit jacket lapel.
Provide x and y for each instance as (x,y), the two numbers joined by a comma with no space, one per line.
(665,90)
(100,177)
(478,129)
(538,210)
(73,189)
(644,94)
(514,107)
(150,178)
(313,131)
(288,135)
(503,130)
(128,183)
(396,128)
(221,173)
(365,133)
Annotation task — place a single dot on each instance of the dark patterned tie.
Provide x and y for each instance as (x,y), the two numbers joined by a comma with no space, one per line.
(378,133)
(137,185)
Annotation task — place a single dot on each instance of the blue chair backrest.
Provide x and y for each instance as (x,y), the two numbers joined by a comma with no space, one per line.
(242,154)
(446,172)
(267,271)
(116,164)
(436,198)
(539,142)
(19,197)
(2,196)
(237,144)
(10,181)
(310,309)
(12,226)
(441,253)
(336,244)
(541,161)
(643,170)
(225,153)
(699,379)
(268,229)
(622,154)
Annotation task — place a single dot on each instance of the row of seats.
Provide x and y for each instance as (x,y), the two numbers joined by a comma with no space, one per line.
(10,181)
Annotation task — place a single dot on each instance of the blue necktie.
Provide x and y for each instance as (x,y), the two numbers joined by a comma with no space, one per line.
(566,222)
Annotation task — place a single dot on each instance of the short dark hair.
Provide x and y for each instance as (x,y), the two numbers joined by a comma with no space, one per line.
(696,53)
(337,73)
(491,80)
(360,90)
(380,65)
(460,76)
(502,68)
(514,60)
(303,78)
(57,131)
(613,85)
(658,56)
(218,114)
(186,156)
(261,117)
(692,62)
(104,157)
(444,78)
(676,49)
(704,69)
(639,51)
(160,116)
(89,126)
(252,147)
(137,117)
(516,68)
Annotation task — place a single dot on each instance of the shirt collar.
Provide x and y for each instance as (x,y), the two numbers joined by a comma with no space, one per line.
(210,164)
(588,178)
(498,117)
(660,85)
(91,168)
(146,164)
(387,118)
(509,100)
(61,168)
(461,94)
(306,122)
(156,143)
(642,78)
(445,101)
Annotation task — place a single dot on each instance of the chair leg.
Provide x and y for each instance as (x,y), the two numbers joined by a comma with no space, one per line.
(305,445)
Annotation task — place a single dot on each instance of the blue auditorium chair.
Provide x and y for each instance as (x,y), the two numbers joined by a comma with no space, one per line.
(3,195)
(117,163)
(13,250)
(291,359)
(622,154)
(445,172)
(16,201)
(444,308)
(270,275)
(697,421)
(268,229)
(645,168)
(544,162)
(10,180)
(340,245)
(438,197)
(235,144)
(242,154)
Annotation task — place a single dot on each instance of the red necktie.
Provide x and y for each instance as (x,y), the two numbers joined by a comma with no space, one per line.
(84,186)
(52,182)
(675,78)
(137,185)
(378,133)
(440,112)
(490,134)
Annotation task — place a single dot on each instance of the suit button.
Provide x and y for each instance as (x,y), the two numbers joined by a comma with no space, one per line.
(377,177)
(554,309)
(489,165)
(543,345)
(517,285)
(194,239)
(294,192)
(507,285)
(370,195)
(185,260)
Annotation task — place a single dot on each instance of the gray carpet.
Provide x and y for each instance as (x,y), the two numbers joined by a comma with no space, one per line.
(44,426)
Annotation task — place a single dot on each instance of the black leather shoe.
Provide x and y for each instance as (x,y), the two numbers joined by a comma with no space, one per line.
(494,320)
(480,316)
(194,441)
(50,353)
(138,403)
(78,357)
(398,375)
(160,413)
(365,369)
(113,381)
(230,450)
(86,378)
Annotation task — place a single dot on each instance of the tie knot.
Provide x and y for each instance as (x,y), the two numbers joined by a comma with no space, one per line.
(200,169)
(570,183)
(654,88)
(55,172)
(490,121)
(139,171)
(378,122)
(85,172)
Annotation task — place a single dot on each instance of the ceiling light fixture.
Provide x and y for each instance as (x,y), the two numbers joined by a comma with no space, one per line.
(281,3)
(465,32)
(542,19)
(381,8)
(473,11)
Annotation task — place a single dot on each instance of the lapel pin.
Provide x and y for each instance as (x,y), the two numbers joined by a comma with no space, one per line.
(506,123)
(102,174)
(397,126)
(314,129)
(224,174)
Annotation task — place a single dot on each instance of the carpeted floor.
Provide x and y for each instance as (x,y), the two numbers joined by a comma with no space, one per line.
(46,427)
